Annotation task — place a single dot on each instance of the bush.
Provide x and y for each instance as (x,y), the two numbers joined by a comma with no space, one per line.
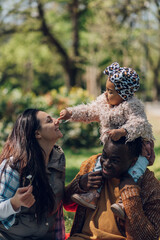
(76,134)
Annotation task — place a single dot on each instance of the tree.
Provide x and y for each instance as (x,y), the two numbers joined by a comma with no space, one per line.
(151,45)
(83,36)
(36,16)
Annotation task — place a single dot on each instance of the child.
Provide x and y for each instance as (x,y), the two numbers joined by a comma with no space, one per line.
(120,114)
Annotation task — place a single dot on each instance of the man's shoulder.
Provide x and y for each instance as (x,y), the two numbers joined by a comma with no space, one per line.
(150,183)
(149,175)
(92,159)
(88,165)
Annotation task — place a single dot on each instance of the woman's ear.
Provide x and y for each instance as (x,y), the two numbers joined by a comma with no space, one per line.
(37,134)
(134,161)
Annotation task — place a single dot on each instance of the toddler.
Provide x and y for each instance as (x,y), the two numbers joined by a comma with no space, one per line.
(119,114)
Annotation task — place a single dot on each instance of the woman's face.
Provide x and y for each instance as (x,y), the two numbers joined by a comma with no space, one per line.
(49,128)
(115,160)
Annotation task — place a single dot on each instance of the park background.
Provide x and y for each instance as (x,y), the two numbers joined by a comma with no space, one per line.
(53,53)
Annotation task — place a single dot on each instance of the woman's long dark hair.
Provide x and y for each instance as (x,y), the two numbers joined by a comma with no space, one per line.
(28,159)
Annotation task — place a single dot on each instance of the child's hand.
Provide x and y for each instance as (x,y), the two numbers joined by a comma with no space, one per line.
(116,134)
(23,197)
(65,114)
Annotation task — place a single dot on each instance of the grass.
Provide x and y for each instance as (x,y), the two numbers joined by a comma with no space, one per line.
(74,158)
(154,118)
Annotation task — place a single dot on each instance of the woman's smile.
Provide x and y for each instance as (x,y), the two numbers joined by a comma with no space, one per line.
(57,129)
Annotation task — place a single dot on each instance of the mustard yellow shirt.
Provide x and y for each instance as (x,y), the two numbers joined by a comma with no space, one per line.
(100,224)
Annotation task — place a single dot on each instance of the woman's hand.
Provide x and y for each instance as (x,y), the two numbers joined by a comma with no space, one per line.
(91,180)
(23,197)
(65,114)
(126,179)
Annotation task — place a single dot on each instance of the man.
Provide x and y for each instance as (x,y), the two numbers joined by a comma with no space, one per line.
(141,200)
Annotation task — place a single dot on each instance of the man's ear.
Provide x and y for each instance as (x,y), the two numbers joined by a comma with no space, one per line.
(134,161)
(37,134)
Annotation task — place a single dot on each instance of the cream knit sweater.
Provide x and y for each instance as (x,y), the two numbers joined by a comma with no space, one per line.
(129,115)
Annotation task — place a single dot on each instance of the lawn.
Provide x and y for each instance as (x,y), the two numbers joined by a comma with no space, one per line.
(74,158)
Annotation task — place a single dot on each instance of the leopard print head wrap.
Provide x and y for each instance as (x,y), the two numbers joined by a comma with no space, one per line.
(125,80)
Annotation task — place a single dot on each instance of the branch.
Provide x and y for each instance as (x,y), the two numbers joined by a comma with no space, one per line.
(125,11)
(15,29)
(75,13)
(47,33)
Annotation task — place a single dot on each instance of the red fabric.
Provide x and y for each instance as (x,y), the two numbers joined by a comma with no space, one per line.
(72,207)
(67,235)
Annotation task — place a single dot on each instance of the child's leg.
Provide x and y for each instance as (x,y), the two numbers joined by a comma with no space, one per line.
(139,168)
(136,172)
(89,199)
(118,209)
(98,166)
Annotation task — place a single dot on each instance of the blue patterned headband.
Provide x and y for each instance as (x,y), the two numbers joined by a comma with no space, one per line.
(125,80)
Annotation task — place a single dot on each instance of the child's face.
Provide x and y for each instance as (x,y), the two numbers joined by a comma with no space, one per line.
(113,98)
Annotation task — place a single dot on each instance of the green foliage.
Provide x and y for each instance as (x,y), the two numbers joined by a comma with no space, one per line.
(13,102)
(91,33)
(27,64)
(156,165)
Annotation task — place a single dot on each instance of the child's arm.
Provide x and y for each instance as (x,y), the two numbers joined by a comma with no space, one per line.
(84,112)
(116,134)
(65,114)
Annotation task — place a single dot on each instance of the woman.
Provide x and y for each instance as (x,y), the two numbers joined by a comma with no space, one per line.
(141,200)
(32,172)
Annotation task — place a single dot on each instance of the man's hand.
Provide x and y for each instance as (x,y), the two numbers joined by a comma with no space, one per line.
(116,134)
(148,151)
(92,180)
(65,114)
(23,197)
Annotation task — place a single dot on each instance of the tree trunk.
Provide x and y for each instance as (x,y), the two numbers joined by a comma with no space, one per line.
(91,81)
